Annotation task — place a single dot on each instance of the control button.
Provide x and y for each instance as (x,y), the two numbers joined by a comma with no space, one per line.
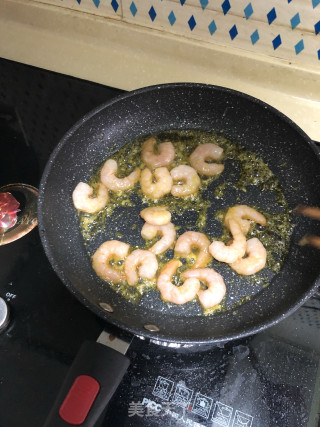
(4,314)
(80,398)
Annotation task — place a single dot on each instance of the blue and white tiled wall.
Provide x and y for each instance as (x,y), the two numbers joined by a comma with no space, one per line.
(287,29)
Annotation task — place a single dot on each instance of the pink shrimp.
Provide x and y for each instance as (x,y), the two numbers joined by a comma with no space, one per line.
(186,179)
(84,201)
(109,179)
(254,262)
(242,214)
(176,294)
(193,239)
(144,261)
(230,253)
(110,251)
(158,189)
(216,288)
(200,156)
(167,231)
(164,157)
(156,215)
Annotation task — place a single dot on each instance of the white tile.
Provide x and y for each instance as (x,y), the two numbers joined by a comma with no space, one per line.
(140,14)
(97,7)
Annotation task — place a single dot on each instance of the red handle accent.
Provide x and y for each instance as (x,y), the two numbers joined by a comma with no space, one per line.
(80,398)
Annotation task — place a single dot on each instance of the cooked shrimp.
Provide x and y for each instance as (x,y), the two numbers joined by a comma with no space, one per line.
(239,212)
(156,215)
(167,231)
(109,179)
(83,200)
(188,181)
(112,250)
(176,294)
(144,261)
(235,250)
(164,157)
(200,156)
(158,189)
(213,280)
(254,262)
(193,239)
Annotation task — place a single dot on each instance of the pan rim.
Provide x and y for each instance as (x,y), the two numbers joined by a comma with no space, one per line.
(108,317)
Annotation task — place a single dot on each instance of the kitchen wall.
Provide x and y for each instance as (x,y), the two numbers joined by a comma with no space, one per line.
(268,49)
(285,29)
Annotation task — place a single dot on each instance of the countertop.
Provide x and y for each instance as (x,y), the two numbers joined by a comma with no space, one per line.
(126,56)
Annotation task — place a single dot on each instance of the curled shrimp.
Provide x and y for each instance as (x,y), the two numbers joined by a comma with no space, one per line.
(83,200)
(109,179)
(188,181)
(167,231)
(176,294)
(235,250)
(164,157)
(240,212)
(156,215)
(158,189)
(112,250)
(254,262)
(193,239)
(216,288)
(200,156)
(144,261)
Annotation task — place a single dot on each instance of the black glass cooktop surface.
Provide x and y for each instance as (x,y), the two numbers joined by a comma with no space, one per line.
(271,379)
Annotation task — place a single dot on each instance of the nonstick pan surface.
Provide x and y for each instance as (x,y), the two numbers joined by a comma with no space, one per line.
(244,120)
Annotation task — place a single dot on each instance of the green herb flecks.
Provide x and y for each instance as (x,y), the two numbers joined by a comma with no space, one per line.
(246,171)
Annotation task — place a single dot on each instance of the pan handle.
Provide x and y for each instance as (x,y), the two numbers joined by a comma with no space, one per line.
(88,387)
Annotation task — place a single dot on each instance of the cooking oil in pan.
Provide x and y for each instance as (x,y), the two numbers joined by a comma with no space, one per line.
(247,179)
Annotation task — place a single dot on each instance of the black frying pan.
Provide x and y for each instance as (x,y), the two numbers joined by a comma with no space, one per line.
(247,121)
(242,119)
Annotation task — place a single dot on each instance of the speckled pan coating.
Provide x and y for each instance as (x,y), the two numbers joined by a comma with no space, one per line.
(242,119)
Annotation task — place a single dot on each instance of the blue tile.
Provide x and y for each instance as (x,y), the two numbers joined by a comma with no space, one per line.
(182,2)
(254,37)
(115,5)
(299,47)
(276,42)
(226,6)
(289,1)
(319,54)
(272,15)
(133,9)
(248,11)
(317,28)
(212,27)
(172,18)
(233,32)
(315,3)
(204,3)
(295,21)
(152,13)
(96,3)
(79,1)
(192,23)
